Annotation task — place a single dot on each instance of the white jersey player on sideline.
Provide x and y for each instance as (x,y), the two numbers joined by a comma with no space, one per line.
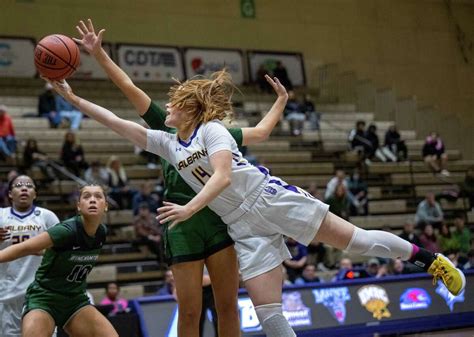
(21,221)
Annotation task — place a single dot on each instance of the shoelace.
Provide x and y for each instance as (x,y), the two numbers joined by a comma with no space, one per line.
(440,272)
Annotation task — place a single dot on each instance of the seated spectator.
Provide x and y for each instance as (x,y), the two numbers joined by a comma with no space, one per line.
(339,203)
(348,272)
(299,257)
(47,106)
(33,157)
(96,173)
(462,234)
(395,144)
(67,111)
(358,141)
(315,191)
(339,178)
(294,115)
(434,154)
(112,292)
(470,263)
(453,256)
(428,239)
(310,111)
(7,136)
(467,187)
(147,229)
(261,81)
(119,190)
(396,267)
(280,72)
(375,149)
(375,269)
(446,240)
(308,275)
(409,234)
(168,287)
(317,255)
(146,196)
(359,190)
(429,211)
(72,154)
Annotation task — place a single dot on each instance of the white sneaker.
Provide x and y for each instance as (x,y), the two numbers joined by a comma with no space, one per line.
(445,173)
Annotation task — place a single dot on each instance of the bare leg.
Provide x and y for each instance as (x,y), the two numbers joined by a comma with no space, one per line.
(444,161)
(89,322)
(341,234)
(188,279)
(37,323)
(265,292)
(432,164)
(224,273)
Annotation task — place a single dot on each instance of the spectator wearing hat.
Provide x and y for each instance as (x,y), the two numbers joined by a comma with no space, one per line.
(7,136)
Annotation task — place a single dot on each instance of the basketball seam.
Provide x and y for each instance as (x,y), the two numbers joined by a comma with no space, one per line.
(67,48)
(56,55)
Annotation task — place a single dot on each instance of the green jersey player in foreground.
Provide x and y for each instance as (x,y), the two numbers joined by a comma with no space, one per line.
(202,239)
(57,296)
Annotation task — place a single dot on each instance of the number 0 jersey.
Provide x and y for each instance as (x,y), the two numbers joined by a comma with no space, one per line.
(65,266)
(192,161)
(16,276)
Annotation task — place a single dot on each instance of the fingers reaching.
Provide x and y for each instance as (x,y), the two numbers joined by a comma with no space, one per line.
(90,25)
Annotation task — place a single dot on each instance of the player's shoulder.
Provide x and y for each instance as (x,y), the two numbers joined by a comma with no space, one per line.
(40,211)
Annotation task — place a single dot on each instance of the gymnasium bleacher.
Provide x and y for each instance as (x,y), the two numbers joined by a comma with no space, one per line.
(394,188)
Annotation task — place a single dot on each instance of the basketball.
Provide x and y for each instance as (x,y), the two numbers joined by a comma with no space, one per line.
(56,57)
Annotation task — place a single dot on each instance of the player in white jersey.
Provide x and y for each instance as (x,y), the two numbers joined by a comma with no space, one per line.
(258,208)
(20,222)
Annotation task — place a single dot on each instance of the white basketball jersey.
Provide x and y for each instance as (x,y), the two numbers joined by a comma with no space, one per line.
(192,161)
(16,276)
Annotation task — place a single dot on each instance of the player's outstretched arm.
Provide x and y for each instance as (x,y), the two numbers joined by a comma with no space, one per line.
(29,247)
(130,130)
(264,128)
(92,43)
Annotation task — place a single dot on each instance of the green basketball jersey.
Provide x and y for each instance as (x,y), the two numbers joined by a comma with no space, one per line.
(65,266)
(176,188)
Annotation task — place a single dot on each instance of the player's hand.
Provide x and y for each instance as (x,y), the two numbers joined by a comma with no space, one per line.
(174,213)
(91,41)
(62,88)
(277,86)
(4,234)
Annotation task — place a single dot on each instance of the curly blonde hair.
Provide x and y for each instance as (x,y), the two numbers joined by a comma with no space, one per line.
(204,99)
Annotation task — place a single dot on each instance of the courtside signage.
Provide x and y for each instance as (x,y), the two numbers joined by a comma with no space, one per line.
(206,61)
(17,57)
(293,62)
(150,63)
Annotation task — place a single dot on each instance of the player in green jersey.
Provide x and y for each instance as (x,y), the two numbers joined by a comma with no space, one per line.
(202,239)
(57,296)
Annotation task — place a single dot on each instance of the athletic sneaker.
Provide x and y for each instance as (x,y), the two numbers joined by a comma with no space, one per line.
(443,269)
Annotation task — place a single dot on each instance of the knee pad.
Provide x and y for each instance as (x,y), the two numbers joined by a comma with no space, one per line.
(272,320)
(379,243)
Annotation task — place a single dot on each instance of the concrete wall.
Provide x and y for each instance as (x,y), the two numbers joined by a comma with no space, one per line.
(409,45)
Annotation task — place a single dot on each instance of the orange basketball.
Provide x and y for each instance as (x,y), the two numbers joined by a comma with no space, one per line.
(56,57)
